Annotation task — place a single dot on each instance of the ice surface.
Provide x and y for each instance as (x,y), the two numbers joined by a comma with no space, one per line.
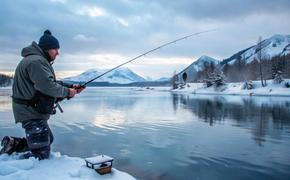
(57,167)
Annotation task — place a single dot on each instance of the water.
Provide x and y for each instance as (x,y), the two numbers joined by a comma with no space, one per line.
(154,134)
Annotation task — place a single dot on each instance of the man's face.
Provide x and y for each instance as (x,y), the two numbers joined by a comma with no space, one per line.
(53,53)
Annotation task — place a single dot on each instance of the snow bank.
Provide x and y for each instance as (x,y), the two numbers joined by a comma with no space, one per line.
(58,167)
(271,89)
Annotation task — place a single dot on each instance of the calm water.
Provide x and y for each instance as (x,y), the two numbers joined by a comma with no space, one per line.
(159,135)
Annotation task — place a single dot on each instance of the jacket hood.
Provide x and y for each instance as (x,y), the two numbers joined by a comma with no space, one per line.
(32,49)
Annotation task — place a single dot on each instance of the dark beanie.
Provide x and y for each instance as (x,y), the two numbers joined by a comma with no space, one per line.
(47,41)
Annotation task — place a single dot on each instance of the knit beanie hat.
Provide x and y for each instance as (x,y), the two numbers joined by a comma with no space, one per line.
(47,41)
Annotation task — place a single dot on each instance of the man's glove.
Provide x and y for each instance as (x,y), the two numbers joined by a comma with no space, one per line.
(79,88)
(72,92)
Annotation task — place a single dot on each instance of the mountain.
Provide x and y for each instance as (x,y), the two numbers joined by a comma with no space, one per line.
(275,56)
(276,45)
(148,78)
(119,76)
(192,70)
(275,53)
(163,79)
(202,61)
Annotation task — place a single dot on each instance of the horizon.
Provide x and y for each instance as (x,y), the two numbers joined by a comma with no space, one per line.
(106,34)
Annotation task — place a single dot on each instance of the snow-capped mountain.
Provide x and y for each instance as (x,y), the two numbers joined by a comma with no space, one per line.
(120,76)
(199,65)
(276,45)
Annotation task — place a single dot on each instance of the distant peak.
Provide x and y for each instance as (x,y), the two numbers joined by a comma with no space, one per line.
(124,69)
(277,36)
(280,38)
(205,58)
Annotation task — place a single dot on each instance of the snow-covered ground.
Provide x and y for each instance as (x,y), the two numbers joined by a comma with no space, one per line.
(271,89)
(58,167)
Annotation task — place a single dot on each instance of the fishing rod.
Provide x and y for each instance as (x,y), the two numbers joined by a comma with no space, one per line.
(144,54)
(133,59)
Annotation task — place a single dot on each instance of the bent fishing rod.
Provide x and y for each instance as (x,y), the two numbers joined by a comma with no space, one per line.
(133,59)
(144,54)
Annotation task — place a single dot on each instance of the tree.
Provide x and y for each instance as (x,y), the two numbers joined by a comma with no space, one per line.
(259,56)
(219,79)
(248,85)
(209,81)
(174,81)
(5,80)
(278,77)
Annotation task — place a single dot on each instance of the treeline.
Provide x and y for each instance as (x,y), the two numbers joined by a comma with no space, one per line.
(240,71)
(5,80)
(268,69)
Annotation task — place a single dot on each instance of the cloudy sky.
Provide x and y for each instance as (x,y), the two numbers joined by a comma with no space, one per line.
(103,34)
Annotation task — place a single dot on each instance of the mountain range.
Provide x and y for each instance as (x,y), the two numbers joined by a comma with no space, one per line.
(277,45)
(273,47)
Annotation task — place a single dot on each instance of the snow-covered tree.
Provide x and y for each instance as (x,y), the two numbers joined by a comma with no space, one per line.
(278,77)
(219,79)
(210,80)
(216,79)
(248,85)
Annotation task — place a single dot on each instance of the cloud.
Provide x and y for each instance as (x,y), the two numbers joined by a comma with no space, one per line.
(59,1)
(128,28)
(123,22)
(83,38)
(91,11)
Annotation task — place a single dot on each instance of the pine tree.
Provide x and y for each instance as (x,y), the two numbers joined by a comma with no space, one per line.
(248,85)
(219,79)
(5,80)
(208,82)
(278,77)
(174,81)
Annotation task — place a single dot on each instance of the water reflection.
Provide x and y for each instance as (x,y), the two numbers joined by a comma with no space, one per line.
(5,104)
(159,135)
(261,115)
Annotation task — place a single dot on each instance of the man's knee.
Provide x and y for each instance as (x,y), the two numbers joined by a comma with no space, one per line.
(38,134)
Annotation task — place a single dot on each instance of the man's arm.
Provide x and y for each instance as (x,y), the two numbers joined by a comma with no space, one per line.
(43,79)
(65,84)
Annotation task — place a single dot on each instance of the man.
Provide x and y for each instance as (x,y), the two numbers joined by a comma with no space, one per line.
(35,91)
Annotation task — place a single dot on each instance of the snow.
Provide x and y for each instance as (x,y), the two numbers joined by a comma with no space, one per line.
(271,89)
(198,65)
(57,167)
(122,76)
(152,89)
(99,159)
(273,46)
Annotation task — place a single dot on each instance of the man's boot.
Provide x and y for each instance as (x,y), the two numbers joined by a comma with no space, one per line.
(13,144)
(7,144)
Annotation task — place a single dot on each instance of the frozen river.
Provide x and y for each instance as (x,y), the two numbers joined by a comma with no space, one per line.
(154,134)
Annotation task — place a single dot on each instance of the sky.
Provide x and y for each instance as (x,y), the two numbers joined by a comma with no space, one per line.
(103,34)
